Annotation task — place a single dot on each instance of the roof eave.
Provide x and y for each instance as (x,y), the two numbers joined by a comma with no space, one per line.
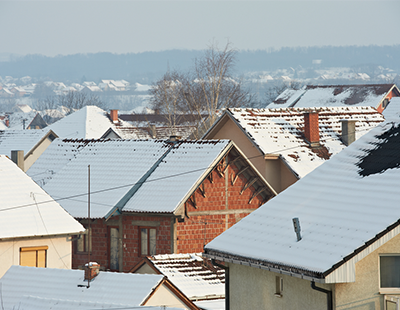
(265,265)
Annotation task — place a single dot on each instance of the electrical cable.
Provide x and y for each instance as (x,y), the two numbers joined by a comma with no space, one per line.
(153,180)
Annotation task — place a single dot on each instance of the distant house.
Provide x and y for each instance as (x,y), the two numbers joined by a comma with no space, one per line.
(91,89)
(90,122)
(286,144)
(23,121)
(314,96)
(27,144)
(196,276)
(330,241)
(56,289)
(149,196)
(34,229)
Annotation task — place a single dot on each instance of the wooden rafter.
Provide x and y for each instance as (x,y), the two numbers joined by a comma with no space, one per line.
(256,193)
(202,190)
(210,177)
(192,200)
(239,173)
(248,184)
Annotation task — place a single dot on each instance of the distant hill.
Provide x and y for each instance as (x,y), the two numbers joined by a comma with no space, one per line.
(148,66)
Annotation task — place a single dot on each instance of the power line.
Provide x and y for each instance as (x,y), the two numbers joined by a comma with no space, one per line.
(153,180)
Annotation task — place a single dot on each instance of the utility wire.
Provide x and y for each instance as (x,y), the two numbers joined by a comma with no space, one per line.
(153,180)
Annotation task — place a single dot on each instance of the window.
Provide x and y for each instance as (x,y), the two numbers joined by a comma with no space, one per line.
(83,245)
(33,256)
(278,286)
(147,241)
(389,273)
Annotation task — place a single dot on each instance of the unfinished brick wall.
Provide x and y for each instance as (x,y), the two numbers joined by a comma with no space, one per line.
(130,240)
(216,213)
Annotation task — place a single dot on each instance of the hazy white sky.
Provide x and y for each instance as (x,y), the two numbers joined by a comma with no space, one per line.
(69,27)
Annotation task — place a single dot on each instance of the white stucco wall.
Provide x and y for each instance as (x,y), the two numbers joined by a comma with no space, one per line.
(59,253)
(252,288)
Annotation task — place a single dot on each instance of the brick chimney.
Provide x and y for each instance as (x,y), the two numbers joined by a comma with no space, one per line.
(91,271)
(114,116)
(348,131)
(311,128)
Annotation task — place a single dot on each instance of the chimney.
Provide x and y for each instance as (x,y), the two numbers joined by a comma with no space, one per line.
(18,158)
(311,128)
(174,138)
(348,131)
(91,271)
(114,116)
(153,131)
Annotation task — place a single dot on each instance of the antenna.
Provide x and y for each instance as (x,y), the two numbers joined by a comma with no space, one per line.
(297,229)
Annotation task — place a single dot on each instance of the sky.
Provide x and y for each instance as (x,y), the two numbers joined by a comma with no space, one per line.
(69,27)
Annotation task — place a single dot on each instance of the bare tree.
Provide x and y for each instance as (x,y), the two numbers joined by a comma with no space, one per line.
(206,89)
(167,97)
(274,91)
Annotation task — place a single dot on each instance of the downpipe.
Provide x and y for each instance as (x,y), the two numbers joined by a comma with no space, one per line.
(226,281)
(327,292)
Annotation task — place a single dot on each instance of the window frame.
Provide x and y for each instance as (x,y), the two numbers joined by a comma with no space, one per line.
(148,228)
(87,246)
(387,290)
(34,249)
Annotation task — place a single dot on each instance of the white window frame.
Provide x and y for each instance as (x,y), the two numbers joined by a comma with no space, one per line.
(387,290)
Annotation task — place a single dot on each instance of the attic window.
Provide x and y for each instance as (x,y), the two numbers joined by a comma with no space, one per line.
(386,150)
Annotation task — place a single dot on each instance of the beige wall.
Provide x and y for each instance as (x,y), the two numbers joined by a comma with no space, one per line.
(274,171)
(9,252)
(145,269)
(363,294)
(164,297)
(252,288)
(29,161)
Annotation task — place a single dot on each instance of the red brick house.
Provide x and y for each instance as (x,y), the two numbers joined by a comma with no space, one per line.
(149,196)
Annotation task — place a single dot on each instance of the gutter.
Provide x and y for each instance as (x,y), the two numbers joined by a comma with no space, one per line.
(327,292)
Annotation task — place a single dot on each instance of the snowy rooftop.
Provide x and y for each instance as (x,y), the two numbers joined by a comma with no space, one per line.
(21,120)
(116,166)
(51,287)
(332,96)
(195,277)
(26,209)
(341,205)
(90,122)
(280,131)
(159,132)
(25,140)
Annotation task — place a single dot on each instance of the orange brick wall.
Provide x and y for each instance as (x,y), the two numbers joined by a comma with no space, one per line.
(191,235)
(198,230)
(130,241)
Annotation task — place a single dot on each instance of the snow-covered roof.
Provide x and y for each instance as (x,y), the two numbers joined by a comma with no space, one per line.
(90,122)
(333,96)
(193,275)
(342,206)
(26,210)
(25,140)
(280,131)
(21,120)
(158,132)
(47,285)
(215,304)
(117,165)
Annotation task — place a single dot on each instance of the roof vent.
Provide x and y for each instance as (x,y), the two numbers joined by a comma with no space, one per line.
(296,224)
